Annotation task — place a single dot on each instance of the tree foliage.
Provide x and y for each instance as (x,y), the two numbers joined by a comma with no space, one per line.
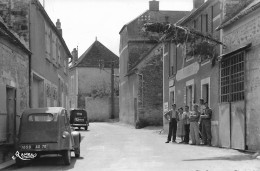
(199,44)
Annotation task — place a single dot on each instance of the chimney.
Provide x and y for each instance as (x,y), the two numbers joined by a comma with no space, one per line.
(154,5)
(58,26)
(166,19)
(197,3)
(74,54)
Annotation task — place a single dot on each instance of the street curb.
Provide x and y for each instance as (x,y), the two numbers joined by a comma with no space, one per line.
(6,164)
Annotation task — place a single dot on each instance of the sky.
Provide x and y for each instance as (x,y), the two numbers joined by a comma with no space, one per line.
(82,21)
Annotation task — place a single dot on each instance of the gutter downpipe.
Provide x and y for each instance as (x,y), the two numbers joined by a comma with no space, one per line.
(142,78)
(30,60)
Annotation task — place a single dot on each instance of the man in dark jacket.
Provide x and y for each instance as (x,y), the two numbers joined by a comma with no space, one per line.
(172,116)
(206,124)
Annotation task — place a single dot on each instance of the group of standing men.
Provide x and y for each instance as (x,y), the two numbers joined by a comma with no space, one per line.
(196,124)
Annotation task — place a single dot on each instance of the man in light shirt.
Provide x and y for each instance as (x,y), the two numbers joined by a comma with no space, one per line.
(172,116)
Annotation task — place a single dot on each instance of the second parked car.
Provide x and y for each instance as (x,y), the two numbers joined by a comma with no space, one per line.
(79,118)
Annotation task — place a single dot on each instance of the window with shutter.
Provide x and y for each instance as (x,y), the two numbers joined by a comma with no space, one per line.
(47,41)
(65,66)
(58,52)
(54,52)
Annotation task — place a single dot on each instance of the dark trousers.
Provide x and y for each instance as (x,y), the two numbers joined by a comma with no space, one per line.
(200,128)
(172,129)
(206,131)
(187,133)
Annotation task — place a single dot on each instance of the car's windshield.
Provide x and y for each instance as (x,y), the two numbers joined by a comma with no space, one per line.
(42,117)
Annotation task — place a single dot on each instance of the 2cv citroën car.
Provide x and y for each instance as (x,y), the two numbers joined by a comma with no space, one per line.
(46,131)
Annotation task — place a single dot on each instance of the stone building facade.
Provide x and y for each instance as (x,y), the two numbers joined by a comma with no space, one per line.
(148,76)
(50,54)
(14,83)
(188,78)
(90,82)
(140,89)
(239,80)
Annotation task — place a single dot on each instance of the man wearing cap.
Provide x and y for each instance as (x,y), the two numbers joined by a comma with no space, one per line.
(206,124)
(172,116)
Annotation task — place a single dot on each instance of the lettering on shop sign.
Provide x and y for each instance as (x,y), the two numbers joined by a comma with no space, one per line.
(187,71)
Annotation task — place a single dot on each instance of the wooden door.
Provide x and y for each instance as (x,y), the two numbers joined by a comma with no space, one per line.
(11,114)
(35,94)
(238,125)
(232,108)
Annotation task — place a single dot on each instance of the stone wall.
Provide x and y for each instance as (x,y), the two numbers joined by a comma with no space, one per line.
(137,51)
(151,91)
(14,73)
(232,7)
(129,84)
(16,14)
(95,84)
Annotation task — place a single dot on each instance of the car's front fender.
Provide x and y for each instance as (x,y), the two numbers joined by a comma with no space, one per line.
(65,142)
(77,138)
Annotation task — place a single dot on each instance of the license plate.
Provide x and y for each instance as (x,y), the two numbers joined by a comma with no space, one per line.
(79,120)
(41,146)
(34,146)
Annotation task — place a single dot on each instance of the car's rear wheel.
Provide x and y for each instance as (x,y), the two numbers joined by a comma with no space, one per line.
(66,157)
(77,152)
(86,127)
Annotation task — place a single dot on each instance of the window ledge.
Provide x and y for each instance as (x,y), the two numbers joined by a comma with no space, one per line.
(205,62)
(55,64)
(189,59)
(172,76)
(48,59)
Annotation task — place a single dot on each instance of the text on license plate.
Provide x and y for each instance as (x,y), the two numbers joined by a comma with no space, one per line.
(34,146)
(79,120)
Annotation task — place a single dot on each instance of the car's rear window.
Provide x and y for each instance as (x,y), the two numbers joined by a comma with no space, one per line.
(79,113)
(42,117)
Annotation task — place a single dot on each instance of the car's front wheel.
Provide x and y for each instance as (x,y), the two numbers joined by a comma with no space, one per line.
(86,127)
(66,157)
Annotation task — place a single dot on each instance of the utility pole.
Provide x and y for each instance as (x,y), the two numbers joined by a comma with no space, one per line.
(112,90)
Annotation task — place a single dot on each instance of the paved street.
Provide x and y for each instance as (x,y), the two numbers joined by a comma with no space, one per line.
(114,146)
